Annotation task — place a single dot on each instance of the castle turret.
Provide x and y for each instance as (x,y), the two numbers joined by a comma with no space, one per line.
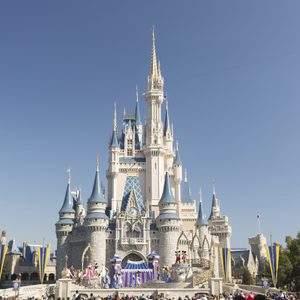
(168,139)
(218,225)
(114,155)
(79,208)
(63,228)
(168,224)
(177,171)
(96,222)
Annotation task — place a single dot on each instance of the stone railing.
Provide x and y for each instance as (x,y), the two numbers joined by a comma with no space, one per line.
(36,291)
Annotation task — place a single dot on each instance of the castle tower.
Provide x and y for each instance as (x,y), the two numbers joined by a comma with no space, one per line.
(63,228)
(96,222)
(113,169)
(154,148)
(168,224)
(218,225)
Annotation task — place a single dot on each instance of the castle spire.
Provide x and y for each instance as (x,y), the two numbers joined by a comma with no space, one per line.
(67,206)
(155,79)
(177,160)
(215,210)
(200,219)
(97,195)
(137,109)
(153,69)
(114,138)
(167,120)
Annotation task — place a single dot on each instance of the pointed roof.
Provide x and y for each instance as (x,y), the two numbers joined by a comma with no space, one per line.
(154,72)
(167,121)
(200,219)
(186,195)
(67,206)
(78,199)
(137,109)
(214,202)
(97,195)
(167,196)
(114,142)
(177,160)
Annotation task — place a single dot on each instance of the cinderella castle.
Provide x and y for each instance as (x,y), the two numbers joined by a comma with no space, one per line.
(148,206)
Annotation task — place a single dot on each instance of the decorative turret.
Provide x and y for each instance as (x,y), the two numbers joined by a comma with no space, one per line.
(177,160)
(96,221)
(114,142)
(168,224)
(168,136)
(215,206)
(200,219)
(97,202)
(64,226)
(138,122)
(79,207)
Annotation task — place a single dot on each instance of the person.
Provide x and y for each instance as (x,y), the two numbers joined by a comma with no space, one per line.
(177,257)
(76,296)
(92,297)
(138,280)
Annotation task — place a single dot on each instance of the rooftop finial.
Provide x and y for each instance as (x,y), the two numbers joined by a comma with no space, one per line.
(200,195)
(115,117)
(137,93)
(153,70)
(124,112)
(214,186)
(97,162)
(177,146)
(167,102)
(69,175)
(185,175)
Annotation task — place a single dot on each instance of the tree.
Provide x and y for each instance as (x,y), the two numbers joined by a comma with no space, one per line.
(246,277)
(293,253)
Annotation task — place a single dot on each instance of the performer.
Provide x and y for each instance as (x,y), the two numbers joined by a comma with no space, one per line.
(138,280)
(184,256)
(177,253)
(89,271)
(106,281)
(120,280)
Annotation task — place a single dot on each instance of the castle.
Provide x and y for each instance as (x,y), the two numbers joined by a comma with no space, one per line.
(148,207)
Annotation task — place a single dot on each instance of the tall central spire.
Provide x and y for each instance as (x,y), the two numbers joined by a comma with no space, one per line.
(155,80)
(153,69)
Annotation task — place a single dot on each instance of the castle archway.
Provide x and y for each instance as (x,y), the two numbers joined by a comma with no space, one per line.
(132,257)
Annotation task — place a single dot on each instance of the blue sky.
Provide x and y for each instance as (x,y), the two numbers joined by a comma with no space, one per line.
(232,73)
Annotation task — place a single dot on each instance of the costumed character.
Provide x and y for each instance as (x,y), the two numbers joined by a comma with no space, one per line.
(120,280)
(69,273)
(89,271)
(184,256)
(138,280)
(106,281)
(177,253)
(115,281)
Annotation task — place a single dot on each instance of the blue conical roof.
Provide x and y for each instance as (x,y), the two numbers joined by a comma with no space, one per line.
(114,142)
(200,219)
(177,160)
(167,196)
(137,114)
(213,204)
(97,195)
(167,122)
(68,201)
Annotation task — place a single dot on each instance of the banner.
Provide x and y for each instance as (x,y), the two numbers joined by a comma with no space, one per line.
(225,259)
(43,256)
(273,259)
(3,251)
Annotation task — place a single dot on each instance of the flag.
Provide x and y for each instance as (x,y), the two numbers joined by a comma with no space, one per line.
(225,259)
(43,256)
(3,251)
(273,259)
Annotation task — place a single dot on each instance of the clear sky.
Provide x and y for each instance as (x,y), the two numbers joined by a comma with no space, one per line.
(232,74)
